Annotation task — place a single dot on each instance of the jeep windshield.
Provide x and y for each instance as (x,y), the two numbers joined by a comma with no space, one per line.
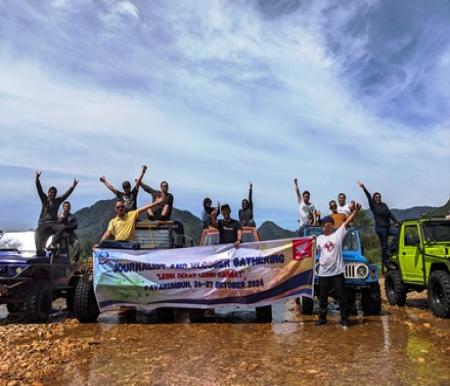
(22,241)
(437,231)
(350,241)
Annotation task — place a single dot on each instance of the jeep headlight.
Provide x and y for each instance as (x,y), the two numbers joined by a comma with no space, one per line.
(18,270)
(362,271)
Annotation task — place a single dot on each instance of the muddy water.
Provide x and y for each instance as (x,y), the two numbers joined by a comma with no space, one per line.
(404,346)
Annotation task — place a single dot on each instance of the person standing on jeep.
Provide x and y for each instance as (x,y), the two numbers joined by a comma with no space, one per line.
(343,207)
(308,214)
(123,225)
(331,266)
(382,216)
(129,196)
(68,223)
(230,230)
(209,212)
(246,213)
(48,218)
(162,211)
(338,218)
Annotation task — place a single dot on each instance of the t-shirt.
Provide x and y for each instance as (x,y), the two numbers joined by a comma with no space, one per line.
(339,219)
(130,199)
(157,210)
(345,209)
(228,231)
(122,228)
(306,213)
(331,261)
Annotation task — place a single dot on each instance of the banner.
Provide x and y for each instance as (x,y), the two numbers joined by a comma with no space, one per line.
(257,274)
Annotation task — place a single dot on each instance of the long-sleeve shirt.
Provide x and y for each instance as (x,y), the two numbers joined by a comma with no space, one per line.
(381,212)
(49,211)
(246,215)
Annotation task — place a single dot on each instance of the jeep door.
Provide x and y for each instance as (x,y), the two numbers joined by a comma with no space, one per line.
(410,257)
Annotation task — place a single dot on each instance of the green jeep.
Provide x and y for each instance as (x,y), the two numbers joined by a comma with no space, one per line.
(421,261)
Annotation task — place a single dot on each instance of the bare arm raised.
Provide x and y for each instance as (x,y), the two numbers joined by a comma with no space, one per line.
(352,215)
(297,190)
(108,185)
(141,176)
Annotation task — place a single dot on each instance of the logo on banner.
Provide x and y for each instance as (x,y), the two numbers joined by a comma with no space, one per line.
(103,257)
(302,249)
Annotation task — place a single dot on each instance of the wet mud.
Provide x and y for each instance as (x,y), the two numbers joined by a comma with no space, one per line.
(403,346)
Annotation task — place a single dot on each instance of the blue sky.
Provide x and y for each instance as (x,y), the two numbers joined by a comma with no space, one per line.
(212,94)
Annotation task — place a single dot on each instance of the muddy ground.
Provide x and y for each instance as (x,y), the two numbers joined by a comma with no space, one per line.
(403,346)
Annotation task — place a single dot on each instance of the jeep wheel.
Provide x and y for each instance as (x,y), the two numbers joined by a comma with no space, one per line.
(371,299)
(85,306)
(439,293)
(395,289)
(165,315)
(264,314)
(306,305)
(70,298)
(38,304)
(14,308)
(197,316)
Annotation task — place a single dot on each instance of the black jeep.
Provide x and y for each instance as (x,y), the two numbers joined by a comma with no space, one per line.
(29,282)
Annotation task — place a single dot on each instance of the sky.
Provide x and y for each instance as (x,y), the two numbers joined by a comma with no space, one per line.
(214,94)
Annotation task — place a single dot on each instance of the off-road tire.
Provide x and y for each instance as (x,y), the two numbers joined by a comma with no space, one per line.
(85,306)
(306,305)
(371,299)
(264,314)
(395,289)
(38,303)
(439,293)
(197,316)
(70,298)
(165,315)
(14,308)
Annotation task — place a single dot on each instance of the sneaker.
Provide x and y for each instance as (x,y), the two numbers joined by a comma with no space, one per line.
(345,323)
(320,322)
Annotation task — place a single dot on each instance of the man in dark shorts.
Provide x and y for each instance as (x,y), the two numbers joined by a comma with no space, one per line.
(48,219)
(162,211)
(129,196)
(230,230)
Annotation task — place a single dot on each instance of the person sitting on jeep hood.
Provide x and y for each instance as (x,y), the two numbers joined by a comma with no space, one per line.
(338,218)
(332,267)
(209,212)
(48,219)
(246,213)
(122,226)
(67,224)
(230,230)
(129,196)
(162,211)
(382,216)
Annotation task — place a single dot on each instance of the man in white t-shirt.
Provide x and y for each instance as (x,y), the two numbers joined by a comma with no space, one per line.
(331,266)
(343,207)
(306,208)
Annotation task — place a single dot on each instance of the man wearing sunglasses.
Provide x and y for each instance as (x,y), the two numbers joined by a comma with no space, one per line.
(162,211)
(122,226)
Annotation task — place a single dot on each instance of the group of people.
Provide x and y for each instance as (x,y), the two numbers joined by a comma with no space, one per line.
(122,226)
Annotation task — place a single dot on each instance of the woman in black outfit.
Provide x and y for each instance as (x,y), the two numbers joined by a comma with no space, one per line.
(382,216)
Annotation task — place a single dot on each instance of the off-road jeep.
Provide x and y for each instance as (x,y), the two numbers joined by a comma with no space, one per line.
(149,235)
(29,283)
(361,278)
(421,261)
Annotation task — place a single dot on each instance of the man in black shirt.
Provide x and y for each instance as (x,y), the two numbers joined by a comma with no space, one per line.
(382,216)
(163,211)
(230,230)
(48,219)
(67,224)
(129,196)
